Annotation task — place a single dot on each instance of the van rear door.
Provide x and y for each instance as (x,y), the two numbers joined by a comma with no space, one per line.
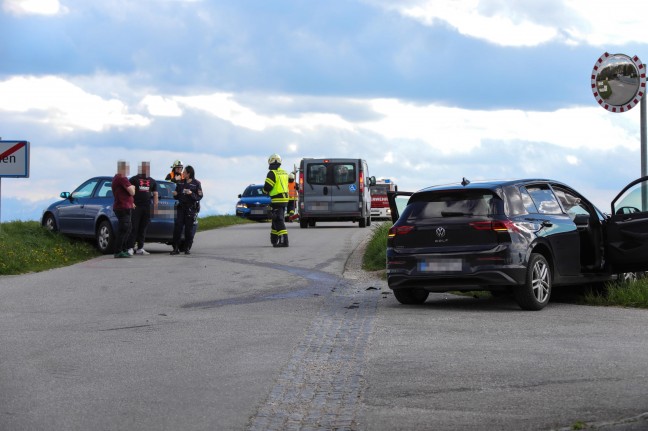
(345,193)
(317,188)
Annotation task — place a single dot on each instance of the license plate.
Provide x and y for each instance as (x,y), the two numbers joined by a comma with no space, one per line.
(257,212)
(440,265)
(319,207)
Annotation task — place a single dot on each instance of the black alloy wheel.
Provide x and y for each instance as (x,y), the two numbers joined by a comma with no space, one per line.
(534,294)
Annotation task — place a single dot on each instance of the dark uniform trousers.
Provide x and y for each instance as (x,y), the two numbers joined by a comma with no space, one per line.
(278,232)
(185,218)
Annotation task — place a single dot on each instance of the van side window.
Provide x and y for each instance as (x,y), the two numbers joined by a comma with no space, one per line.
(344,173)
(316,173)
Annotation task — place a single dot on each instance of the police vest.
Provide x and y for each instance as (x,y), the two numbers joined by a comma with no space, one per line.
(279,192)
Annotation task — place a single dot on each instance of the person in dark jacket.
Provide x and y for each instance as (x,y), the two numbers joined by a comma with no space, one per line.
(188,193)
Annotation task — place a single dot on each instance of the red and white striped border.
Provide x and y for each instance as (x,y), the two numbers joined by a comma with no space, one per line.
(640,92)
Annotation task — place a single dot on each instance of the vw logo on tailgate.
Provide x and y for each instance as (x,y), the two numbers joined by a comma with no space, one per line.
(440,232)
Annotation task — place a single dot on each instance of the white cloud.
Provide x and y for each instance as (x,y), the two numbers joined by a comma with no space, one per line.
(65,106)
(33,7)
(572,160)
(224,106)
(161,106)
(454,130)
(499,28)
(529,23)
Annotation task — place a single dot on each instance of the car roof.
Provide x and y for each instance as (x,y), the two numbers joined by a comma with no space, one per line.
(488,184)
(106,177)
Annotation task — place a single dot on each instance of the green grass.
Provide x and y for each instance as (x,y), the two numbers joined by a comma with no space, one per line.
(375,254)
(620,294)
(214,222)
(26,247)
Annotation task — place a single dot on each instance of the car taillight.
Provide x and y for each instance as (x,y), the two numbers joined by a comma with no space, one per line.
(399,230)
(361,182)
(301,183)
(495,225)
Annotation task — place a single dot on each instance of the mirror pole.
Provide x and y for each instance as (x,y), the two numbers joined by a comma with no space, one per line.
(644,191)
(644,170)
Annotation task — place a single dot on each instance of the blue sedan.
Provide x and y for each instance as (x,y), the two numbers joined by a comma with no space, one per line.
(87,213)
(253,203)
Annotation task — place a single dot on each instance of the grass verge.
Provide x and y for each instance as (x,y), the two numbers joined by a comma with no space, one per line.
(622,294)
(375,253)
(26,247)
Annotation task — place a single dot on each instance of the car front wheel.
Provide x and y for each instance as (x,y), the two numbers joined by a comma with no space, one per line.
(535,293)
(105,237)
(49,223)
(411,296)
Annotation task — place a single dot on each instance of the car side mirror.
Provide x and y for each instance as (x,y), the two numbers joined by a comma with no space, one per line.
(239,196)
(65,195)
(372,181)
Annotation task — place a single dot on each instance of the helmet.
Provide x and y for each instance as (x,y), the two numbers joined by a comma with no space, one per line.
(275,158)
(176,164)
(291,176)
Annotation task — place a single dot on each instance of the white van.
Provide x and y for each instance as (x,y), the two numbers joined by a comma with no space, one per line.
(334,190)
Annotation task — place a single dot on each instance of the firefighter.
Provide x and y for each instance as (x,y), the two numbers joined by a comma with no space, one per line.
(175,175)
(292,196)
(276,186)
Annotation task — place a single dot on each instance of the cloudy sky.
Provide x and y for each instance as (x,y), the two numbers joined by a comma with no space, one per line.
(427,91)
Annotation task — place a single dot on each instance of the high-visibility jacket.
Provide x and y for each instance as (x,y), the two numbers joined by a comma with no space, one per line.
(276,185)
(292,190)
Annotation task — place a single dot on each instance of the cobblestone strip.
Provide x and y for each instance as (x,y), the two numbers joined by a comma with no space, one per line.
(320,388)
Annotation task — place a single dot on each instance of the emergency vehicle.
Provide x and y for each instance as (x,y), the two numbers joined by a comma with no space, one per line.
(379,204)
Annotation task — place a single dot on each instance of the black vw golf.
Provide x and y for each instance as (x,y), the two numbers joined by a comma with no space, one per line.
(524,236)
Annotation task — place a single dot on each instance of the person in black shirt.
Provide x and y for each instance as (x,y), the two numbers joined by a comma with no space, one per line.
(145,189)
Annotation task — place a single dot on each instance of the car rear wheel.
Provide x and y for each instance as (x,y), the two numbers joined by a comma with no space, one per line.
(411,296)
(303,223)
(49,223)
(105,237)
(535,293)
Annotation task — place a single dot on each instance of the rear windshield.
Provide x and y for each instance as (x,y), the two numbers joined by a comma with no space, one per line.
(453,204)
(331,173)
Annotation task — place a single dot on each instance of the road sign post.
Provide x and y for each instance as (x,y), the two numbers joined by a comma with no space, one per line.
(14,163)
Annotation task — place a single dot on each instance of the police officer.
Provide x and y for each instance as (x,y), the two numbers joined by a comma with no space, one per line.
(276,185)
(188,193)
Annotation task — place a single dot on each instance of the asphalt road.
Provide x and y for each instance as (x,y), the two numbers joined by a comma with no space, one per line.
(242,336)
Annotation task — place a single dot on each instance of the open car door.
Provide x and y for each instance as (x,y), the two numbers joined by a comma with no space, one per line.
(397,203)
(626,240)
